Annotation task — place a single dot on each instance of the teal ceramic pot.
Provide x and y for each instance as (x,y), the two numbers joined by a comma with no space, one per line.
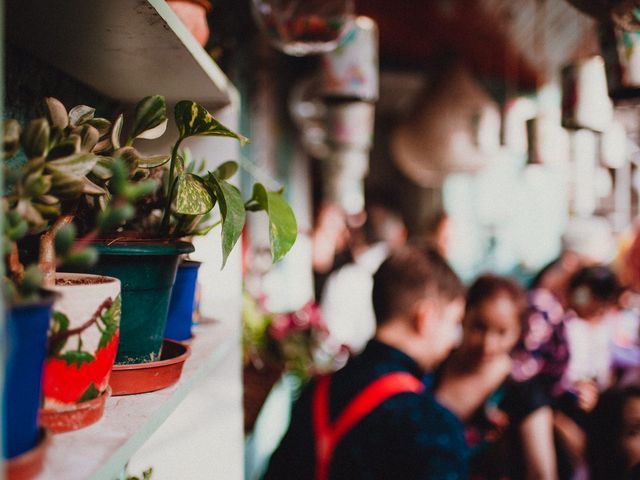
(147,272)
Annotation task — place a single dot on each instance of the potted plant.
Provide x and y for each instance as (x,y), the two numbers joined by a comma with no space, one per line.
(297,343)
(42,199)
(136,251)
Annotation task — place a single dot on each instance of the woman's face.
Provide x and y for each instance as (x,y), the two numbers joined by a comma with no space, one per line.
(630,441)
(492,328)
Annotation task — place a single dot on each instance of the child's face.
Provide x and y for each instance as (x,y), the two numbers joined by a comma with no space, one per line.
(491,329)
(630,441)
(586,305)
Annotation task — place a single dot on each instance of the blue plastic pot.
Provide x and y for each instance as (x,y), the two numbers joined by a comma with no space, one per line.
(26,328)
(180,319)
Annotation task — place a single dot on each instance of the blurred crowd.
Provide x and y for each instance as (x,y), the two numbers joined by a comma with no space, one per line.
(544,378)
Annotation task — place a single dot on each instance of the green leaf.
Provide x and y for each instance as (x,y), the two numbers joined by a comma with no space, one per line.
(102,168)
(135,191)
(113,217)
(111,321)
(35,138)
(36,184)
(80,114)
(135,159)
(78,164)
(101,124)
(57,114)
(153,161)
(65,185)
(11,137)
(32,279)
(232,211)
(27,211)
(15,227)
(74,357)
(89,394)
(283,229)
(191,195)
(90,188)
(64,239)
(226,170)
(155,132)
(47,211)
(81,259)
(65,148)
(115,133)
(89,137)
(151,112)
(193,119)
(59,323)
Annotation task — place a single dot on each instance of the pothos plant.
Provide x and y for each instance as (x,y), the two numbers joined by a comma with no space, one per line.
(54,156)
(185,197)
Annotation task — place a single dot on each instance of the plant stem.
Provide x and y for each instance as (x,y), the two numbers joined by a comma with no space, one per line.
(54,339)
(16,269)
(47,256)
(164,229)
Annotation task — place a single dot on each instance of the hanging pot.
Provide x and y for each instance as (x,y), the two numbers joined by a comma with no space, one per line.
(193,13)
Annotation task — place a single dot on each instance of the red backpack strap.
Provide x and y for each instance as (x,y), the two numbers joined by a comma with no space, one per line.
(328,435)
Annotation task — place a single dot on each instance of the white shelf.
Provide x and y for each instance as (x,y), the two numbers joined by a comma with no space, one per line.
(124,49)
(100,451)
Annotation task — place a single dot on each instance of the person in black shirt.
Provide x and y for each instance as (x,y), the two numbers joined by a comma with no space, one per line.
(372,419)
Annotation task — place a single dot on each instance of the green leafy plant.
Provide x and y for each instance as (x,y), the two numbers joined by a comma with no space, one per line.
(185,197)
(56,155)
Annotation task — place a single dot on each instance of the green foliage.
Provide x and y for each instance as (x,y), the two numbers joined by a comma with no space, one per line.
(76,357)
(110,320)
(89,394)
(146,475)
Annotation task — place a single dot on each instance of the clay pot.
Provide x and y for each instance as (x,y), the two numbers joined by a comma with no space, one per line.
(193,13)
(82,348)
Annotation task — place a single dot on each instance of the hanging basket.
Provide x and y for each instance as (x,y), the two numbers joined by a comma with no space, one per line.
(257,383)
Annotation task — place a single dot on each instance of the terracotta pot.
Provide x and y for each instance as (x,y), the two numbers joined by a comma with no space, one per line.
(28,465)
(83,341)
(193,13)
(257,383)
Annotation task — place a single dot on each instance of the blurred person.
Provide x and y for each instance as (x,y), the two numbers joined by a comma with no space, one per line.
(372,419)
(346,299)
(508,423)
(330,244)
(613,445)
(438,232)
(585,242)
(590,325)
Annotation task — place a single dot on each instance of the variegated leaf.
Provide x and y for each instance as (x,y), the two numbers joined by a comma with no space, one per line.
(116,132)
(78,164)
(193,119)
(232,211)
(80,114)
(150,113)
(101,124)
(89,137)
(11,137)
(57,113)
(90,188)
(283,229)
(66,185)
(35,138)
(226,170)
(101,168)
(154,132)
(153,161)
(192,196)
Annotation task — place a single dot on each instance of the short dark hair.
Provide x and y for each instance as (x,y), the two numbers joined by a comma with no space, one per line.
(602,282)
(409,275)
(604,430)
(488,285)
